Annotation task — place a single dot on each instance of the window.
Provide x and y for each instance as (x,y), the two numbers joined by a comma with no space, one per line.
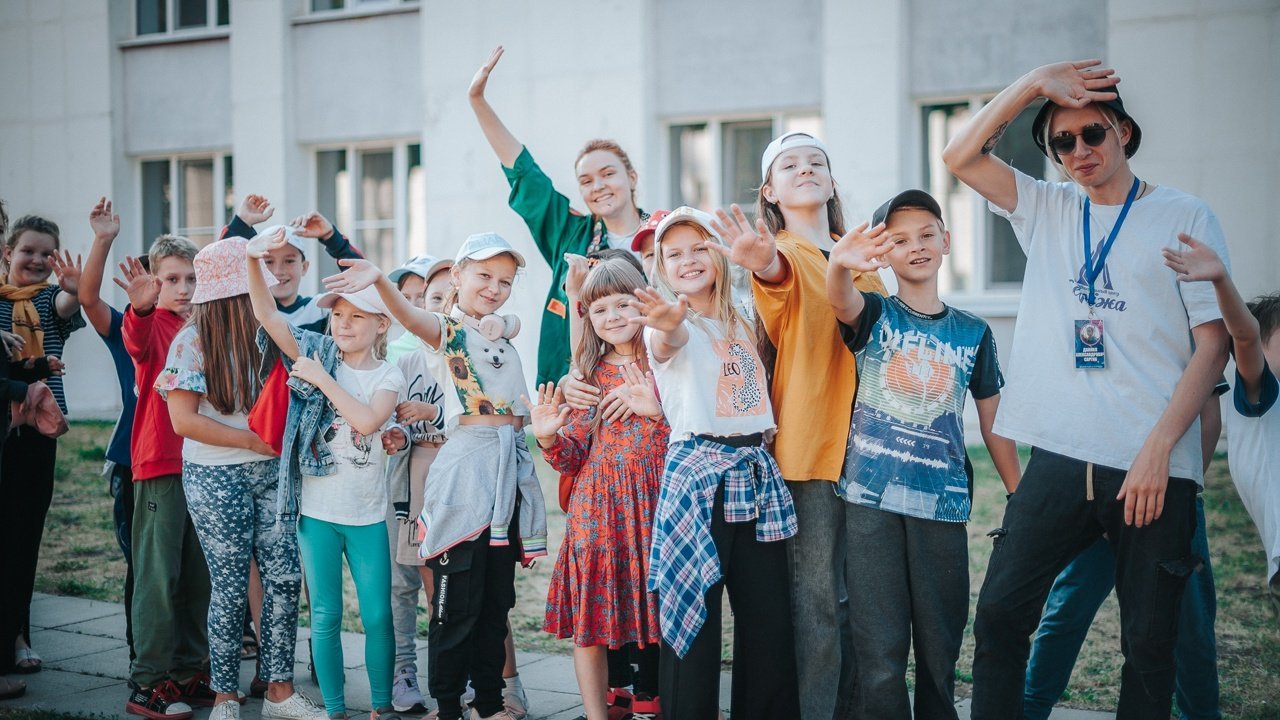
(984,252)
(166,16)
(190,196)
(717,162)
(354,5)
(375,196)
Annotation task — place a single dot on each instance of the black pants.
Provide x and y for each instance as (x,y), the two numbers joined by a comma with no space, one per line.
(632,666)
(26,489)
(122,514)
(764,662)
(1047,523)
(473,591)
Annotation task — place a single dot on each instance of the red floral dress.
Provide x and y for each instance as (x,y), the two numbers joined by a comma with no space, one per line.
(597,594)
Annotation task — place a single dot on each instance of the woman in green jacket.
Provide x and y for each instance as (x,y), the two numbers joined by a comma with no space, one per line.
(607,182)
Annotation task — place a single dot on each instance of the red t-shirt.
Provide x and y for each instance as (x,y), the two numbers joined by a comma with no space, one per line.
(156,448)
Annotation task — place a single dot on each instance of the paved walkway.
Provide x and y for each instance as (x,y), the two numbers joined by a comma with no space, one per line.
(86,664)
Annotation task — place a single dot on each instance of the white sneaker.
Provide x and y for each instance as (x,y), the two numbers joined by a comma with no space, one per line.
(295,707)
(514,699)
(225,710)
(405,694)
(500,715)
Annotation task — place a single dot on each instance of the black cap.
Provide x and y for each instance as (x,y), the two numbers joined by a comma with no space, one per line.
(906,199)
(1116,105)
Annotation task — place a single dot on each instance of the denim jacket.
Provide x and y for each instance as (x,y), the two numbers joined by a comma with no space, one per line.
(310,415)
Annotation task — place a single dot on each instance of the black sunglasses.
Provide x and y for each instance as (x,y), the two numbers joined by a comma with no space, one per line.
(1065,143)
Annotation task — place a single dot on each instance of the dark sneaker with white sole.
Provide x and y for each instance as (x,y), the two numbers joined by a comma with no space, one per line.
(157,703)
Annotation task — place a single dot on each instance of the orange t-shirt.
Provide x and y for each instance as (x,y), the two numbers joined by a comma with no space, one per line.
(815,375)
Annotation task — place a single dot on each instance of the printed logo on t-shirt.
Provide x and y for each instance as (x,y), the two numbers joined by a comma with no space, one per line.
(1105,296)
(740,387)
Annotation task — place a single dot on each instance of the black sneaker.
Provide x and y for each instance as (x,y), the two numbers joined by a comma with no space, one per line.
(197,693)
(158,703)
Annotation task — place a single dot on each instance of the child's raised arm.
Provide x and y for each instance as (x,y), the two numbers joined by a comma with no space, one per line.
(858,251)
(264,305)
(360,274)
(106,227)
(1199,262)
(1004,452)
(504,144)
(665,318)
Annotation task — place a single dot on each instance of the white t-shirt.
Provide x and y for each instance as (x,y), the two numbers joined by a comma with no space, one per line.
(184,370)
(356,494)
(1103,416)
(1253,453)
(712,385)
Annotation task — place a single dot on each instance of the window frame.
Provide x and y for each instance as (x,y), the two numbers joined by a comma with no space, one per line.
(985,296)
(715,124)
(403,246)
(355,9)
(217,197)
(211,28)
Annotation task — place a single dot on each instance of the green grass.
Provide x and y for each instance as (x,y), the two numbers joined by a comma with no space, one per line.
(79,557)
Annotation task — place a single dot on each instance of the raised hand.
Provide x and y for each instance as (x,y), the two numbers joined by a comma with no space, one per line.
(1197,262)
(312,225)
(255,209)
(862,250)
(548,415)
(1076,84)
(106,226)
(656,312)
(641,397)
(359,274)
(481,78)
(579,266)
(751,246)
(67,270)
(260,245)
(141,286)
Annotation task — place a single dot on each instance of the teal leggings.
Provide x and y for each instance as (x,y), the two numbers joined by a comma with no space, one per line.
(369,557)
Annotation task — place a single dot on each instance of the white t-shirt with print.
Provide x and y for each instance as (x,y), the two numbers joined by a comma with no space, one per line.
(1104,416)
(712,385)
(356,494)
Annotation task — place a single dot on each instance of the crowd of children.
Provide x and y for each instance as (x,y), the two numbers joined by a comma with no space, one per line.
(732,404)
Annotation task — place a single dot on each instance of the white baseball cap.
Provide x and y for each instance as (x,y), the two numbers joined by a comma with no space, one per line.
(483,246)
(686,214)
(291,236)
(424,266)
(783,143)
(367,300)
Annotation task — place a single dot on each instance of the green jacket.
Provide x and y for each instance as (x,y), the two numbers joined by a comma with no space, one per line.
(557,229)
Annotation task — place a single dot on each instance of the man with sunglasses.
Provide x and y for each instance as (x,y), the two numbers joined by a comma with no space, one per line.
(1112,422)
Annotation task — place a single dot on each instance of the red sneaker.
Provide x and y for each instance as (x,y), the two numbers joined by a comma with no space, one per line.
(158,703)
(644,707)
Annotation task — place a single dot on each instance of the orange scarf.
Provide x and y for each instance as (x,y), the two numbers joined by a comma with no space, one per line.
(26,319)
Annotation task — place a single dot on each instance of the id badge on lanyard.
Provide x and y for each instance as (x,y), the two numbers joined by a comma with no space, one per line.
(1090,343)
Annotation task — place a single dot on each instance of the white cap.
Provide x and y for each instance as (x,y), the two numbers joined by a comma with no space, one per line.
(424,266)
(686,214)
(483,246)
(367,300)
(291,236)
(783,143)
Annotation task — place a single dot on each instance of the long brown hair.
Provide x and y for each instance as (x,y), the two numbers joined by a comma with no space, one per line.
(609,277)
(776,223)
(226,329)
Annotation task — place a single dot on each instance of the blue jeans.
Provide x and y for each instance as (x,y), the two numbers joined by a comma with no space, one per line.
(1077,594)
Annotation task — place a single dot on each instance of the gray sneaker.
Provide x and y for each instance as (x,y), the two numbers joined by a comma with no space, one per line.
(405,694)
(295,707)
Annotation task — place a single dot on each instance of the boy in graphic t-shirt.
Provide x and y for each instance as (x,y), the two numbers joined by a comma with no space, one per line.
(906,479)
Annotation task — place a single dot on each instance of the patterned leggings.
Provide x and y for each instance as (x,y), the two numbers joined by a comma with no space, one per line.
(234,510)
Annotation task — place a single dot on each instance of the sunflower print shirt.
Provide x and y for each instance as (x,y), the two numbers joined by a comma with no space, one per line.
(486,374)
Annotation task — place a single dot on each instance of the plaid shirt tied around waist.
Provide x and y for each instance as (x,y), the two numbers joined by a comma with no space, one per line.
(683,564)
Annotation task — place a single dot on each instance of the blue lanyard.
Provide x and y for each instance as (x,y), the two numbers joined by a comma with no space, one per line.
(1091,269)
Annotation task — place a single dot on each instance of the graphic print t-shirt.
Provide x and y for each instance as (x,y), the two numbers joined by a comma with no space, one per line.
(714,385)
(906,444)
(356,494)
(485,376)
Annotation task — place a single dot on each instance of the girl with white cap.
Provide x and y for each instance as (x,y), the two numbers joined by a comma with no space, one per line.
(814,379)
(342,506)
(482,505)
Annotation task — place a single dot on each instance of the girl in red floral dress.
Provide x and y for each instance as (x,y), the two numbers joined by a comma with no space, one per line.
(597,594)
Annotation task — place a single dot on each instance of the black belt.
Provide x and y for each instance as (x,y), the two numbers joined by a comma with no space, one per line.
(738,441)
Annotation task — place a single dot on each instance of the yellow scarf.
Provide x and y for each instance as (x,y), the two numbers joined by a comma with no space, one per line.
(26,319)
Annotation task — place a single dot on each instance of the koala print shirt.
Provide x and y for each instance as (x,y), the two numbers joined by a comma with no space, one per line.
(356,494)
(486,375)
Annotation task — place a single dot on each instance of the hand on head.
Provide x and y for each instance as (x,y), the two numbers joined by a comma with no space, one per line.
(260,245)
(1076,84)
